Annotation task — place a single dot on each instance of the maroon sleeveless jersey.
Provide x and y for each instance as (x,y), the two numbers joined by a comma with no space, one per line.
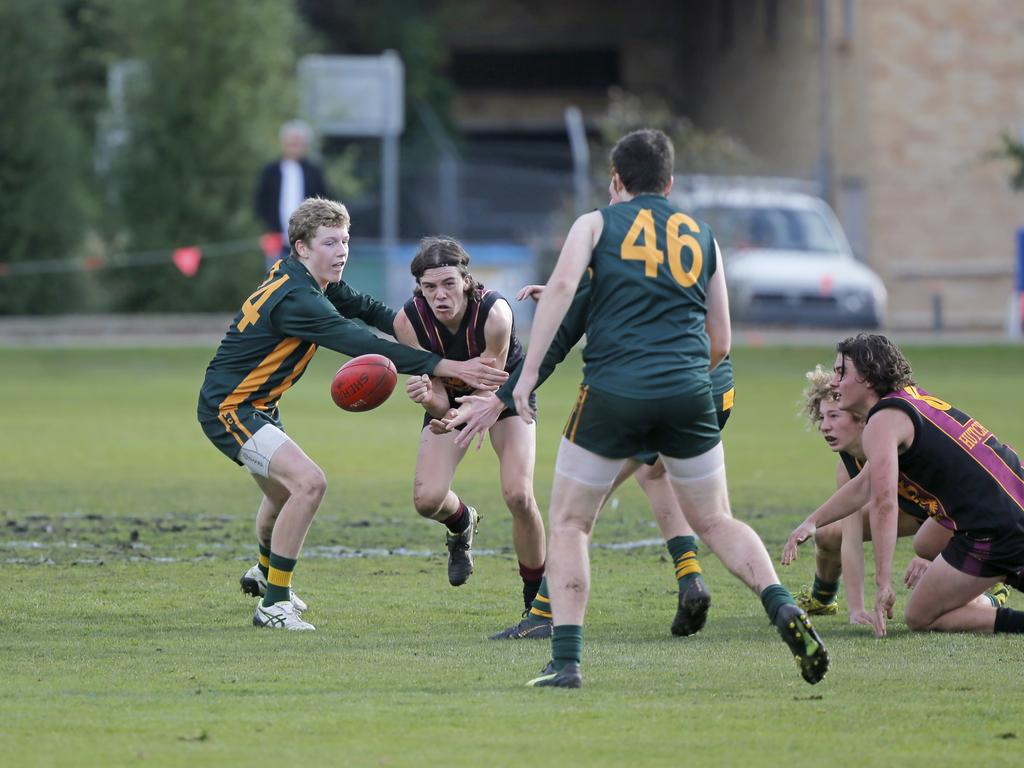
(959,471)
(465,343)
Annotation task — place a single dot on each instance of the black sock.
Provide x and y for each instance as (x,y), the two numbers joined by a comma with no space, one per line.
(459,521)
(1009,621)
(531,582)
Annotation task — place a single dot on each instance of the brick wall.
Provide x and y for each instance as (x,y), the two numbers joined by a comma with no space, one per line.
(944,79)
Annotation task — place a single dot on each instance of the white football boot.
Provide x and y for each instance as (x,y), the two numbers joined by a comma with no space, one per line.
(255,583)
(279,616)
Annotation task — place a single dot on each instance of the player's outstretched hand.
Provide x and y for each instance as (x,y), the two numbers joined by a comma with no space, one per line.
(418,388)
(885,599)
(521,395)
(530,292)
(915,570)
(799,535)
(476,415)
(860,616)
(481,373)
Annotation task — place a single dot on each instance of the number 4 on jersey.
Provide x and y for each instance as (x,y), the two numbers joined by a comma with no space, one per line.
(653,257)
(251,306)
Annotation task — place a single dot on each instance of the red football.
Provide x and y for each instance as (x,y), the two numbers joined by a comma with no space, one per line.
(364,382)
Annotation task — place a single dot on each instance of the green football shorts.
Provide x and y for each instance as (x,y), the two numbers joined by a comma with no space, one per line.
(681,426)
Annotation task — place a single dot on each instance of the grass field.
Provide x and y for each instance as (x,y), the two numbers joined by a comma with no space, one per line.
(124,639)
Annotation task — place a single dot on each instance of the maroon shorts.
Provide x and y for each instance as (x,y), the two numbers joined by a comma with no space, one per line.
(989,553)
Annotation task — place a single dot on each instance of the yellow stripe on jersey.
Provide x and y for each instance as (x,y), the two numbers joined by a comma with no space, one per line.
(285,385)
(258,376)
(728,398)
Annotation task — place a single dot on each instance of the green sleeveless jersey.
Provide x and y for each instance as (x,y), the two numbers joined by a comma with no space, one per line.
(274,336)
(645,329)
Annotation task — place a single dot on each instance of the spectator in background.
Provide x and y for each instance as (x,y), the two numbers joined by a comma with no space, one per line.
(286,182)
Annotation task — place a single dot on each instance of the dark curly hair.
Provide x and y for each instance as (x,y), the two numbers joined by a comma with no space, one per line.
(878,360)
(443,251)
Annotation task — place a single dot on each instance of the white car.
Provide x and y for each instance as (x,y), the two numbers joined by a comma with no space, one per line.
(787,258)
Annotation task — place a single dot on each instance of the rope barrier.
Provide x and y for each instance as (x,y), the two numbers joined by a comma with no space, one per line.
(186,258)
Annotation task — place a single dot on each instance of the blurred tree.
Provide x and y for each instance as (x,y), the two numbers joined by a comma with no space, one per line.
(1013,150)
(410,27)
(414,29)
(697,151)
(42,163)
(201,113)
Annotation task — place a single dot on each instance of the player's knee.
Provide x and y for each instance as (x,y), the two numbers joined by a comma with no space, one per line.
(519,500)
(918,619)
(428,501)
(915,621)
(311,486)
(829,537)
(572,526)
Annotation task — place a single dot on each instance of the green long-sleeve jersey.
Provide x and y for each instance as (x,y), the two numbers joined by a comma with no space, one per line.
(278,329)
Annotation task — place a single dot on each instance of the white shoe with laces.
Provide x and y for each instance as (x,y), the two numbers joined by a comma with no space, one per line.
(279,616)
(255,583)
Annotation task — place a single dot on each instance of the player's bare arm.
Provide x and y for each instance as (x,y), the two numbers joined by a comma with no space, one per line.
(555,301)
(852,557)
(480,372)
(716,323)
(421,389)
(498,333)
(844,502)
(479,412)
(882,439)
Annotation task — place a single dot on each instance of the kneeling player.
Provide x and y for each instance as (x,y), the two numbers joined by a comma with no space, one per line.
(838,547)
(972,484)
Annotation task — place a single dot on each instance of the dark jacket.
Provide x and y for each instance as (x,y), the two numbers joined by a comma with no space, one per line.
(268,191)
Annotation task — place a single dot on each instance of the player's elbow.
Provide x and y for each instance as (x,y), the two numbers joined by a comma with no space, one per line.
(560,286)
(719,351)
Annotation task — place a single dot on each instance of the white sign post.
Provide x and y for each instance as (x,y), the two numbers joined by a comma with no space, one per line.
(360,96)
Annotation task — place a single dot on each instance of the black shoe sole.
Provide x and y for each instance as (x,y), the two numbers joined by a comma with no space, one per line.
(458,583)
(538,632)
(250,587)
(692,613)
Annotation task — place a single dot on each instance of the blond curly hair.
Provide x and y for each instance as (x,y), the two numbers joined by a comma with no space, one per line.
(817,391)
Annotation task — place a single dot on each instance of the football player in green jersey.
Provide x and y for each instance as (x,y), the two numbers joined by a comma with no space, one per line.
(302,304)
(694,598)
(658,322)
